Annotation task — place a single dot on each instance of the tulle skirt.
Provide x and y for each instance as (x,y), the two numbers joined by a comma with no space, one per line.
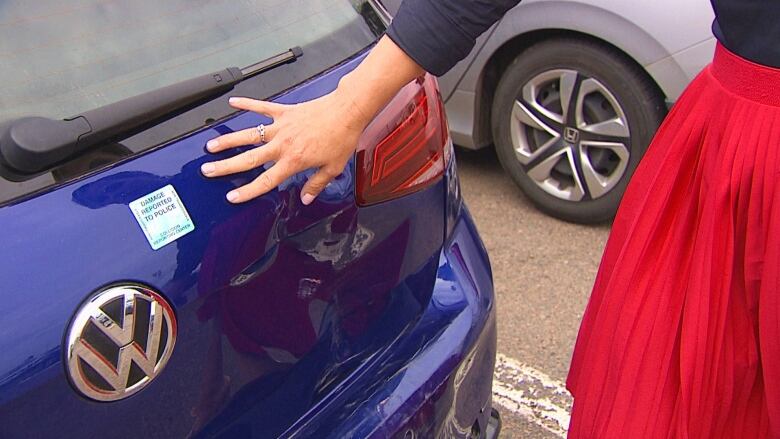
(681,338)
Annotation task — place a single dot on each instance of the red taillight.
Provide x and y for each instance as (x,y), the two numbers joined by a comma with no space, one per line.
(403,149)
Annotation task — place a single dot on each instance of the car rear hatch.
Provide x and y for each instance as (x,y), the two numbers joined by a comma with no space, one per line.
(276,305)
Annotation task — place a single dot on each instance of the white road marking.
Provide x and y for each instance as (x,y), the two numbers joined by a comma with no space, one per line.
(532,394)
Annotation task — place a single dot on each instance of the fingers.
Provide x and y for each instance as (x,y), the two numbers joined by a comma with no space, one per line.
(317,184)
(293,152)
(269,109)
(245,161)
(266,182)
(249,136)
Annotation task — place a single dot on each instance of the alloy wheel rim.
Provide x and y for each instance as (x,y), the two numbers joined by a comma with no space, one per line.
(570,135)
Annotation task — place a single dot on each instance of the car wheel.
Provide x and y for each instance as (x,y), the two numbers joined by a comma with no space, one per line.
(571,119)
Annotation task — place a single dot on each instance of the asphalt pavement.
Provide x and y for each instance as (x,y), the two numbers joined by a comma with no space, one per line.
(543,271)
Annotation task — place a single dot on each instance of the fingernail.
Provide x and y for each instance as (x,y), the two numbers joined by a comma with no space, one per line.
(232,196)
(207,168)
(212,144)
(307,199)
(233,100)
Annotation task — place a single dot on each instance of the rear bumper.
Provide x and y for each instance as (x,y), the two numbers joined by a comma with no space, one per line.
(443,388)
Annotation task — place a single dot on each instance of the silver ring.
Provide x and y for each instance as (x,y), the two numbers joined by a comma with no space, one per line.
(261,130)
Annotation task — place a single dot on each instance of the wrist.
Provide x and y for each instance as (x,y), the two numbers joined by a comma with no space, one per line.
(356,108)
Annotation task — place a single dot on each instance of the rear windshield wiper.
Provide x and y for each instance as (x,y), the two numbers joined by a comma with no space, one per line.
(32,144)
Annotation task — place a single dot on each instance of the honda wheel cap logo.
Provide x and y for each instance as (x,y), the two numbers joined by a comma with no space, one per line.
(119,341)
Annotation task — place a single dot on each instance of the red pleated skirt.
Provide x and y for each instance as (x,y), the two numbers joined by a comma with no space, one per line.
(681,338)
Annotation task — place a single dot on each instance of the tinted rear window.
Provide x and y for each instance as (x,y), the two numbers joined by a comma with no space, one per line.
(60,58)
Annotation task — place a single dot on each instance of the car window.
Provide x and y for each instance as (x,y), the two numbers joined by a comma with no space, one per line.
(58,59)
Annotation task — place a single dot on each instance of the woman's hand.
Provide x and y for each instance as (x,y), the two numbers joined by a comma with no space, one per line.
(321,134)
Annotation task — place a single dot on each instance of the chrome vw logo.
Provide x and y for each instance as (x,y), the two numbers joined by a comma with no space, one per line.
(119,341)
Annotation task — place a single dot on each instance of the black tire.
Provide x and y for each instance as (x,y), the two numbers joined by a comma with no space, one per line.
(641,105)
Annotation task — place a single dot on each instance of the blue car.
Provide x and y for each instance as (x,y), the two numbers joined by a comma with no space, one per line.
(136,302)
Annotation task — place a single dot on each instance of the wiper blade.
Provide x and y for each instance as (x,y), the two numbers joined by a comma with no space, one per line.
(32,144)
(274,61)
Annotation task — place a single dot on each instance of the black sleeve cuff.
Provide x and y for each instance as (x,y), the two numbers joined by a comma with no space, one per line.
(439,33)
(427,35)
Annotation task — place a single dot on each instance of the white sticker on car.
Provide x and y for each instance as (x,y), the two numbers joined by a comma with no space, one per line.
(162,217)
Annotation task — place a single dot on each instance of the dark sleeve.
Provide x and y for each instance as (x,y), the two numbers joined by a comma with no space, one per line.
(439,33)
(749,28)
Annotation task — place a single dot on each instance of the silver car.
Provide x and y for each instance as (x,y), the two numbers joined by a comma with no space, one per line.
(571,92)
